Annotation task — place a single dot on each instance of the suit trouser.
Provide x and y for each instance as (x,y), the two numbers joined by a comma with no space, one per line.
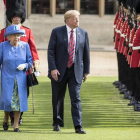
(58,94)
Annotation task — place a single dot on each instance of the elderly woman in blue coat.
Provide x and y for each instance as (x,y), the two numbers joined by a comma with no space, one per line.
(15,56)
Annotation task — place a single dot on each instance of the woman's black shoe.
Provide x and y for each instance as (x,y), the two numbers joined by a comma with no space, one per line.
(16,130)
(5,126)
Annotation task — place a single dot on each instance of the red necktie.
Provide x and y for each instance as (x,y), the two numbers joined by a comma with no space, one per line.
(71,50)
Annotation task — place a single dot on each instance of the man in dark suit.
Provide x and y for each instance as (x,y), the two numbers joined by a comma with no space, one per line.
(68,63)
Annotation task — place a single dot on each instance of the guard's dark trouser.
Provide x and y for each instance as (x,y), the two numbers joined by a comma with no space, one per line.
(119,67)
(137,93)
(127,75)
(58,94)
(132,81)
(122,68)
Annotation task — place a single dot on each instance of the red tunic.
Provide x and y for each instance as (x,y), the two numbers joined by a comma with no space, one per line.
(129,57)
(121,37)
(127,42)
(135,55)
(115,21)
(117,37)
(27,38)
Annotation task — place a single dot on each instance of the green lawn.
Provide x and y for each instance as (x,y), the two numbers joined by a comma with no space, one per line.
(106,115)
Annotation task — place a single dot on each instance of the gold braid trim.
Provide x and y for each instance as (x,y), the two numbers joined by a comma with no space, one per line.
(36,65)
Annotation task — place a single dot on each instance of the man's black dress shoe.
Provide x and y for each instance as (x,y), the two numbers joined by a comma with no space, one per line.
(16,130)
(5,125)
(80,130)
(56,127)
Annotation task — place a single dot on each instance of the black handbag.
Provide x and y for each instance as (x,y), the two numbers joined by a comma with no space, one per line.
(31,78)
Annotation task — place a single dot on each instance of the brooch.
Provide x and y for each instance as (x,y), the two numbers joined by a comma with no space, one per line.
(22,47)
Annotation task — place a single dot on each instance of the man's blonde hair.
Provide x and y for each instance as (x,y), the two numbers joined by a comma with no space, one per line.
(69,14)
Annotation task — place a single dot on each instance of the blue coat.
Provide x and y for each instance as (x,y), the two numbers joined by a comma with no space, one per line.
(10,58)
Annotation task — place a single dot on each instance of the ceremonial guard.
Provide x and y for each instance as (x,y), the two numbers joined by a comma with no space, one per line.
(136,58)
(124,50)
(121,26)
(116,26)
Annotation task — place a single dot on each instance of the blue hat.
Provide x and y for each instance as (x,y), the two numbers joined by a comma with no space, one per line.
(13,29)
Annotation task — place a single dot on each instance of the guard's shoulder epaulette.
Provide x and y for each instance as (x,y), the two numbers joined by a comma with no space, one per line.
(2,30)
(25,27)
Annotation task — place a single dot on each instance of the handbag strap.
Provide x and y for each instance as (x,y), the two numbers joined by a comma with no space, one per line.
(30,70)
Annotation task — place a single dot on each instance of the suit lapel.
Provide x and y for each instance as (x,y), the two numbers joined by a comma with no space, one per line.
(65,36)
(77,39)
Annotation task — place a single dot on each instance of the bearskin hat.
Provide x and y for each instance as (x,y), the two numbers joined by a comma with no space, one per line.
(129,2)
(133,6)
(16,8)
(119,2)
(124,3)
(137,6)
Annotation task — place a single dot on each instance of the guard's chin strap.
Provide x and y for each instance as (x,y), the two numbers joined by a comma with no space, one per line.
(13,23)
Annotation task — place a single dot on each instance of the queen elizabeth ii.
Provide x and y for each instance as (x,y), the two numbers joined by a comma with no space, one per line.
(15,56)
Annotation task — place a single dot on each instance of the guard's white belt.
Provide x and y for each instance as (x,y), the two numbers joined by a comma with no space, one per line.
(136,48)
(130,44)
(116,30)
(122,35)
(114,26)
(119,31)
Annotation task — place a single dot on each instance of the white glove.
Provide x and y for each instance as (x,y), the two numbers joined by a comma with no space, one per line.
(21,67)
(36,73)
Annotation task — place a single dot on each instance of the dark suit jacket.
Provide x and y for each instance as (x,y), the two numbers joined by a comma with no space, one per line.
(58,53)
